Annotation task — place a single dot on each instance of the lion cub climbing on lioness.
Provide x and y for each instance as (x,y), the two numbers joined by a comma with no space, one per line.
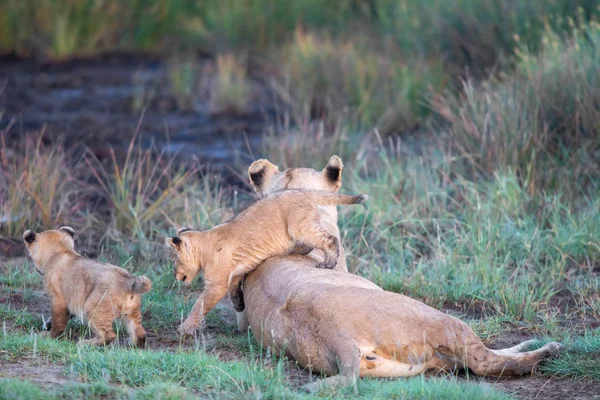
(95,292)
(272,226)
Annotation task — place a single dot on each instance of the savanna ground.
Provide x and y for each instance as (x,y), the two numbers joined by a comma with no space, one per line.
(473,125)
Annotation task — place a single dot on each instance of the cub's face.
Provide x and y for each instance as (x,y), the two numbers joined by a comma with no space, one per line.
(266,178)
(43,246)
(186,255)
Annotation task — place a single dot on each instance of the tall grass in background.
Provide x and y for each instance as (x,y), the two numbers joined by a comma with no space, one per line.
(370,86)
(543,123)
(38,186)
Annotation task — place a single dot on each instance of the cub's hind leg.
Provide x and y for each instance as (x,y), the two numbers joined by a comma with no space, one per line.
(137,333)
(100,316)
(313,233)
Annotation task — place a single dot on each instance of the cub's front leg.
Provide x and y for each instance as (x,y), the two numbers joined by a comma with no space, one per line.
(60,318)
(210,296)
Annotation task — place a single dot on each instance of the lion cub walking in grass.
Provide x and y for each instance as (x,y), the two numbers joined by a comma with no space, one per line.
(272,226)
(97,293)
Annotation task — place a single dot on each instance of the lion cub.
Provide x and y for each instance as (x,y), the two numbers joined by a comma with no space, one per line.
(97,293)
(272,226)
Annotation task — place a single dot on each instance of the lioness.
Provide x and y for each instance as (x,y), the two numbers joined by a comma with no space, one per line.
(271,226)
(343,325)
(346,326)
(95,292)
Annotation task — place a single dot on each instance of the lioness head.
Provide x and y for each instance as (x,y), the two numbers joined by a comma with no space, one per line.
(266,178)
(43,246)
(187,256)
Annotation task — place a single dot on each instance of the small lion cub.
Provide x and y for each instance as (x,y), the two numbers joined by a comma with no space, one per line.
(97,293)
(271,226)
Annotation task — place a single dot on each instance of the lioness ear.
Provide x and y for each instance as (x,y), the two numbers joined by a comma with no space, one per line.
(333,171)
(68,230)
(174,242)
(183,229)
(260,173)
(29,236)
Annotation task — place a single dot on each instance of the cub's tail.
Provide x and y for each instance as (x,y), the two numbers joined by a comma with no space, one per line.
(334,199)
(140,284)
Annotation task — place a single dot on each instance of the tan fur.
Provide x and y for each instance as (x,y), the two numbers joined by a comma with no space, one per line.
(343,325)
(95,292)
(346,326)
(265,178)
(271,226)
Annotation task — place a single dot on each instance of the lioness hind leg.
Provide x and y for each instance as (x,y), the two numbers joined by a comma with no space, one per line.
(332,382)
(487,362)
(516,349)
(348,365)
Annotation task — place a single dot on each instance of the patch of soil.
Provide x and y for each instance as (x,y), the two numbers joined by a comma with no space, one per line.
(549,388)
(46,375)
(91,102)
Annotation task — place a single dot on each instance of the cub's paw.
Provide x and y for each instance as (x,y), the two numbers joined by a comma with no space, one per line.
(324,265)
(189,327)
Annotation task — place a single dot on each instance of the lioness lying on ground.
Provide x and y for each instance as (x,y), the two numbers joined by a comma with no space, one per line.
(95,292)
(271,226)
(343,325)
(346,326)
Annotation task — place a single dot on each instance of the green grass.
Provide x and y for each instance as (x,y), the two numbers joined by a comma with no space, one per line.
(105,371)
(183,373)
(579,360)
(23,389)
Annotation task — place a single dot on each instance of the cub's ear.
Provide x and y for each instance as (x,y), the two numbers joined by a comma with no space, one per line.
(29,236)
(333,171)
(68,230)
(173,242)
(183,229)
(260,173)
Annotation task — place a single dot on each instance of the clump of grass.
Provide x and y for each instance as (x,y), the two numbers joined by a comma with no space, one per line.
(231,88)
(577,360)
(183,75)
(476,37)
(142,188)
(38,188)
(543,124)
(371,87)
(24,389)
